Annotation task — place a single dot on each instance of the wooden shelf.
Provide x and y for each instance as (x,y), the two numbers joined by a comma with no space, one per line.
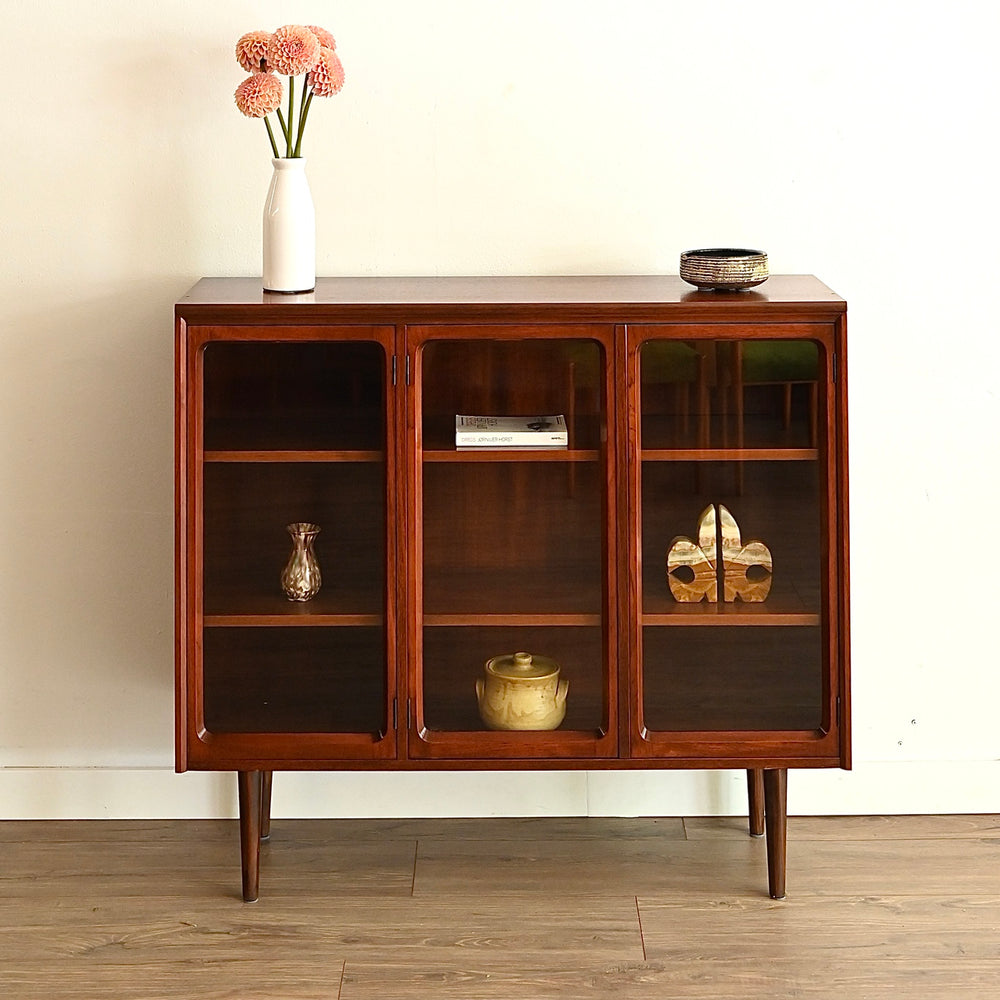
(229,598)
(517,620)
(512,455)
(461,715)
(783,607)
(729,614)
(294,456)
(729,454)
(291,620)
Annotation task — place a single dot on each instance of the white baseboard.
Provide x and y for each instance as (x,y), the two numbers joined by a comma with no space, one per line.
(874,788)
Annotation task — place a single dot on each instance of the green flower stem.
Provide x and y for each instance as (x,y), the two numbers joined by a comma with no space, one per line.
(291,115)
(302,107)
(270,135)
(284,127)
(304,112)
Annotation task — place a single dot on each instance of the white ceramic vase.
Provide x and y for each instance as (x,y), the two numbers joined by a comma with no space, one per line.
(289,229)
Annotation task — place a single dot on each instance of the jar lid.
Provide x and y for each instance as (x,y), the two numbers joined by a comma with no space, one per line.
(521,665)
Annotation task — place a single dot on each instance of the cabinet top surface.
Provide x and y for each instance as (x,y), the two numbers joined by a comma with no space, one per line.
(449,293)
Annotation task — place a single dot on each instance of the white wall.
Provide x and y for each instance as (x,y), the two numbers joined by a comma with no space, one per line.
(850,140)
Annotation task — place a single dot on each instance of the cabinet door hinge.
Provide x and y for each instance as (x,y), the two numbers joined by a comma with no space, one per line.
(834,359)
(407,369)
(838,710)
(395,713)
(407,714)
(394,369)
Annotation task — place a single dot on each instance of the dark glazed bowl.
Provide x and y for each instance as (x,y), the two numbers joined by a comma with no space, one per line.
(724,269)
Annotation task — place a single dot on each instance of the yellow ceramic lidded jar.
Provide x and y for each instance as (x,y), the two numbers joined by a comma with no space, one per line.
(522,692)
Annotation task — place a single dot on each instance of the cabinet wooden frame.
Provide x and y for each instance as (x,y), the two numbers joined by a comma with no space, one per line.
(402,319)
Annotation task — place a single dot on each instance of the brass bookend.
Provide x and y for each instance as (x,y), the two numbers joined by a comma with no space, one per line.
(693,570)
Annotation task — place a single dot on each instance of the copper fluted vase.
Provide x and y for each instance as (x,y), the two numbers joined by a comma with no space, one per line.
(301,579)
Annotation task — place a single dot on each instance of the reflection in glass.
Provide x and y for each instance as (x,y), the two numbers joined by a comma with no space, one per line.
(726,394)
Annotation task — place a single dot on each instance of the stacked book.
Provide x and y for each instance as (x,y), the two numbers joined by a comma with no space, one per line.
(511,432)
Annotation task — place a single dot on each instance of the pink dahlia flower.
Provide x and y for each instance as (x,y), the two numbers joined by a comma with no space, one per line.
(324,36)
(327,76)
(251,51)
(258,95)
(293,49)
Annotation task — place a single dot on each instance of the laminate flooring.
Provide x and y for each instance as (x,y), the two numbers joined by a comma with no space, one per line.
(877,907)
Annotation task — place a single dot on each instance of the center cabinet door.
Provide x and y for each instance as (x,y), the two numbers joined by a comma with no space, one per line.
(512,549)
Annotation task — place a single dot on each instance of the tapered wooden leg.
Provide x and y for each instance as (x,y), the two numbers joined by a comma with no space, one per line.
(755,796)
(265,804)
(249,789)
(776,822)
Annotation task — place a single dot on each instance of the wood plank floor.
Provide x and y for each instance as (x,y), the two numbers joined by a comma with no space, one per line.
(877,907)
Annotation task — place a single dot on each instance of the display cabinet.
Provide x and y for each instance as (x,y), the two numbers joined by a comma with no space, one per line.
(681,555)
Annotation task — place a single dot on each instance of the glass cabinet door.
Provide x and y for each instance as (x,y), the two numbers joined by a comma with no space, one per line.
(734,507)
(294,432)
(513,544)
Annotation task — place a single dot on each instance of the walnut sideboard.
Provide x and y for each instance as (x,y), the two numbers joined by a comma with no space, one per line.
(690,414)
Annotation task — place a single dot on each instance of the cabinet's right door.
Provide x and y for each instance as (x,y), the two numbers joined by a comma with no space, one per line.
(733,489)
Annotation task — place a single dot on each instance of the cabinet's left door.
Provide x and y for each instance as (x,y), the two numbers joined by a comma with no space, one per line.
(277,428)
